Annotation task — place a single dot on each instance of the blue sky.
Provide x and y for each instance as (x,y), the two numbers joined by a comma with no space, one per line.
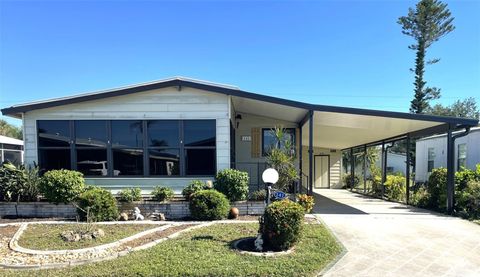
(344,53)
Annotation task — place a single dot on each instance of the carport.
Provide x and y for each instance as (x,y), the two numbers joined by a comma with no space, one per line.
(349,129)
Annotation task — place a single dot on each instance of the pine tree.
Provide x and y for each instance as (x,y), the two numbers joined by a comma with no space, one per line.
(427,23)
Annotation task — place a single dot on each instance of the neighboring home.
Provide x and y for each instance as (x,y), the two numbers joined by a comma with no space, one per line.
(11,150)
(172,131)
(431,153)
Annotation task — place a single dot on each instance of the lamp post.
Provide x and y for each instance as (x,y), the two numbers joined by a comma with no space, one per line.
(269,177)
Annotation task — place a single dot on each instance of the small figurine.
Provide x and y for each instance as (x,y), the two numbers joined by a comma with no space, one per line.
(137,214)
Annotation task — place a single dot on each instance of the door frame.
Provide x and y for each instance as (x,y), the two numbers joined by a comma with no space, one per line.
(315,169)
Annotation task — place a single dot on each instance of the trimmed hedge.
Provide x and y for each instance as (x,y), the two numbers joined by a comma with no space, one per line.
(162,193)
(194,186)
(130,194)
(209,205)
(233,183)
(100,204)
(281,225)
(62,186)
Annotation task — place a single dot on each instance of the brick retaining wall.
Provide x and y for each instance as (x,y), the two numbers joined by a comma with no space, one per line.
(172,210)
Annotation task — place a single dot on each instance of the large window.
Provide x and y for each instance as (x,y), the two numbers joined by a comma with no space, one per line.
(129,147)
(164,147)
(54,141)
(11,153)
(462,156)
(431,159)
(269,141)
(91,147)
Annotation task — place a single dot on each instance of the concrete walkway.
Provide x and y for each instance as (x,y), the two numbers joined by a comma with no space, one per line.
(389,239)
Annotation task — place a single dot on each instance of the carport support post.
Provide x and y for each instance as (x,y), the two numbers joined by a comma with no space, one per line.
(365,169)
(352,170)
(310,153)
(450,171)
(384,168)
(407,171)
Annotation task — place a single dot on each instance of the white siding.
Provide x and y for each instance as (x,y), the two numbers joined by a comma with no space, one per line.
(439,144)
(166,103)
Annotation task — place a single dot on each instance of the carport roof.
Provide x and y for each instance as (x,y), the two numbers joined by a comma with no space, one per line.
(335,122)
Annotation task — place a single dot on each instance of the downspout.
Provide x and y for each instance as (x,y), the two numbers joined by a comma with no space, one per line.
(451,167)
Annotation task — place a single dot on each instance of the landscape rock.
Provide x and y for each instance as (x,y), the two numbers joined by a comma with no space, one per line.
(123,217)
(98,233)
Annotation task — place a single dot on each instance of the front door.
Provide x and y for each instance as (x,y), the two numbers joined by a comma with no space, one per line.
(321,173)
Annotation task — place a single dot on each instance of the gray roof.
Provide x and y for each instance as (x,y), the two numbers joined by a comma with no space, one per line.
(16,110)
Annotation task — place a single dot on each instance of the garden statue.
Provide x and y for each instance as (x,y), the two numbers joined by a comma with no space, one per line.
(137,214)
(259,242)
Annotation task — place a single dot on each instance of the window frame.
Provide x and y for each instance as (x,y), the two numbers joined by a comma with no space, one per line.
(294,133)
(430,169)
(72,147)
(458,155)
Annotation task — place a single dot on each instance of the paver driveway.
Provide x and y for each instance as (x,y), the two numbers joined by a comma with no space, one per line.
(389,239)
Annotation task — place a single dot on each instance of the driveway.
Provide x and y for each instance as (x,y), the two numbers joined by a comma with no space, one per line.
(390,239)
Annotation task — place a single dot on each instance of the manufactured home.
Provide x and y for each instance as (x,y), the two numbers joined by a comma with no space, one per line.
(430,153)
(175,130)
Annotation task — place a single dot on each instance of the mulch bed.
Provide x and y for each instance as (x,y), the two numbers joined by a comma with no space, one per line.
(8,231)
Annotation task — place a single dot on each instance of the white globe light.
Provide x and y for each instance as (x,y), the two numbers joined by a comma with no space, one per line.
(270,176)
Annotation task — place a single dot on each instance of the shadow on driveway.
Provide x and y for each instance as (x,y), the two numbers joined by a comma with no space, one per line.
(325,205)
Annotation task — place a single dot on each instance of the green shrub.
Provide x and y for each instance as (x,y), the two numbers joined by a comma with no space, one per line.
(194,186)
(258,195)
(437,188)
(465,176)
(395,187)
(233,183)
(100,204)
(62,186)
(130,194)
(468,201)
(162,193)
(209,205)
(306,201)
(281,225)
(18,183)
(420,198)
(348,182)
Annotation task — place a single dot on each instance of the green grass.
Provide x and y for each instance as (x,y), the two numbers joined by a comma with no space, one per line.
(207,252)
(47,236)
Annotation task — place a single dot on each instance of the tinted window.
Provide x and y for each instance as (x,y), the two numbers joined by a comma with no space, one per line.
(53,133)
(54,159)
(164,162)
(127,162)
(15,157)
(91,133)
(92,162)
(270,141)
(127,133)
(200,161)
(163,133)
(199,132)
(12,146)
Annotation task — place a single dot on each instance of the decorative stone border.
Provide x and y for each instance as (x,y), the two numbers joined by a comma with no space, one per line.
(98,249)
(260,254)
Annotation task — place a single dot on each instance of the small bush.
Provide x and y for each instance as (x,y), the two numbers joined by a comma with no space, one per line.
(233,183)
(395,187)
(349,182)
(209,205)
(62,186)
(162,193)
(194,186)
(129,195)
(437,188)
(258,195)
(100,204)
(468,201)
(306,201)
(281,225)
(420,198)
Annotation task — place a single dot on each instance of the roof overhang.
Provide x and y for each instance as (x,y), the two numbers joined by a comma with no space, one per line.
(334,127)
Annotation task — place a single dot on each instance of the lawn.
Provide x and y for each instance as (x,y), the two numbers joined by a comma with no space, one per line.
(47,236)
(207,252)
